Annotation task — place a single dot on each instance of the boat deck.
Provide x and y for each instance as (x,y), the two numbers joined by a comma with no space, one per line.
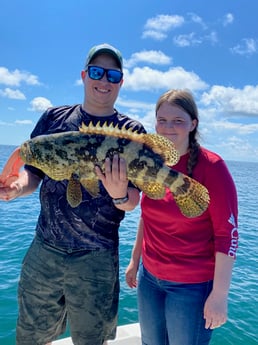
(126,335)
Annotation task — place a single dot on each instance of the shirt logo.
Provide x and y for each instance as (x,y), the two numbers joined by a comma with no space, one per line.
(234,237)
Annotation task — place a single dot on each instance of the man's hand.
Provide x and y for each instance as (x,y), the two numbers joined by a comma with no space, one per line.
(10,192)
(116,183)
(115,177)
(22,185)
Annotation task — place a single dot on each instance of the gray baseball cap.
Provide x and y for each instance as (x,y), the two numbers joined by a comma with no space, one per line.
(105,48)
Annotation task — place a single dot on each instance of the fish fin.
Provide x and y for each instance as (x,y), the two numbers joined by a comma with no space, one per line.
(91,185)
(60,173)
(156,142)
(153,190)
(111,130)
(11,169)
(162,146)
(74,192)
(191,197)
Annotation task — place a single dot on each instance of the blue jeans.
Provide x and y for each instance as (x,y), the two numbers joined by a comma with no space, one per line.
(172,313)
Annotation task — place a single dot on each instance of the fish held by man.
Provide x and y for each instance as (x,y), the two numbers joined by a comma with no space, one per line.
(73,156)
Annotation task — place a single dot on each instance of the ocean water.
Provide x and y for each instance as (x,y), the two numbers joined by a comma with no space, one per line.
(17,223)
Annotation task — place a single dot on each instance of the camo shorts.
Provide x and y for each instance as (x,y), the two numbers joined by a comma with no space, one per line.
(54,286)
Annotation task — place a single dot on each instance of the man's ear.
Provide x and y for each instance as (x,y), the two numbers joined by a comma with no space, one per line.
(83,74)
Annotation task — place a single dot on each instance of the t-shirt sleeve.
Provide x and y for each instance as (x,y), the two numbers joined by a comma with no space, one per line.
(223,208)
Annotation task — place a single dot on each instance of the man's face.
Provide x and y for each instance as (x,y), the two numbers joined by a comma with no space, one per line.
(101,93)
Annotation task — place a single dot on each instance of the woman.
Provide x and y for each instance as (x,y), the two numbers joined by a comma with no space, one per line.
(185,275)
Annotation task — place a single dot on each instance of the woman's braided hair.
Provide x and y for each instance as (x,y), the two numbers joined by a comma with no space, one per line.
(185,100)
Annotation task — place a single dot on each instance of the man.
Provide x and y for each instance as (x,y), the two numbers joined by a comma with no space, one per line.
(71,268)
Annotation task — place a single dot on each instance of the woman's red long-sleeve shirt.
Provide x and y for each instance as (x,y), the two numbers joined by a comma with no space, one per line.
(181,249)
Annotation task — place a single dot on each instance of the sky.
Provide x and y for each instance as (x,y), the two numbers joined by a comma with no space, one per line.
(208,47)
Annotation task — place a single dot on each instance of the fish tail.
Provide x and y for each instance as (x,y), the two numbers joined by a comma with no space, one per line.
(11,169)
(191,197)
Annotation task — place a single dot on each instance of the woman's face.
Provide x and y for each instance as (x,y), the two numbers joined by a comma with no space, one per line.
(175,124)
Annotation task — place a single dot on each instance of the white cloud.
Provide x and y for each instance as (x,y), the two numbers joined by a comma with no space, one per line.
(164,22)
(187,40)
(148,56)
(247,46)
(151,79)
(4,123)
(158,26)
(134,104)
(16,77)
(228,19)
(191,39)
(78,82)
(236,148)
(212,37)
(15,123)
(233,101)
(40,104)
(24,122)
(240,128)
(142,111)
(12,94)
(156,35)
(197,19)
(226,137)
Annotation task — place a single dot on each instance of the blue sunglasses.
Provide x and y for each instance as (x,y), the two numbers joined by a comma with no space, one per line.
(96,73)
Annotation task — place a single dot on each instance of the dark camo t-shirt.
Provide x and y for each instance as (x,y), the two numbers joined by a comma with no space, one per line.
(94,223)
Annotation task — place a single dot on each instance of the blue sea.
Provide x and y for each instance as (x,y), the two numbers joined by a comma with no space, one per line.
(17,223)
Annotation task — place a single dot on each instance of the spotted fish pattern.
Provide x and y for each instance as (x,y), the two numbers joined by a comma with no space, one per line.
(74,155)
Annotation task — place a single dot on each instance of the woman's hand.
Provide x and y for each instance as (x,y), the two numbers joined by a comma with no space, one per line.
(131,273)
(215,310)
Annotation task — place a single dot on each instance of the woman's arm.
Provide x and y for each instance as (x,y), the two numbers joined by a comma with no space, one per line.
(216,306)
(132,268)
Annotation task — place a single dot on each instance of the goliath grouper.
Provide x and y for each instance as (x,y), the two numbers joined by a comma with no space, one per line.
(73,156)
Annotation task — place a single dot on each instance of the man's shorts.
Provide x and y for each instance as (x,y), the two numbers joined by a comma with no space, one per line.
(54,286)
